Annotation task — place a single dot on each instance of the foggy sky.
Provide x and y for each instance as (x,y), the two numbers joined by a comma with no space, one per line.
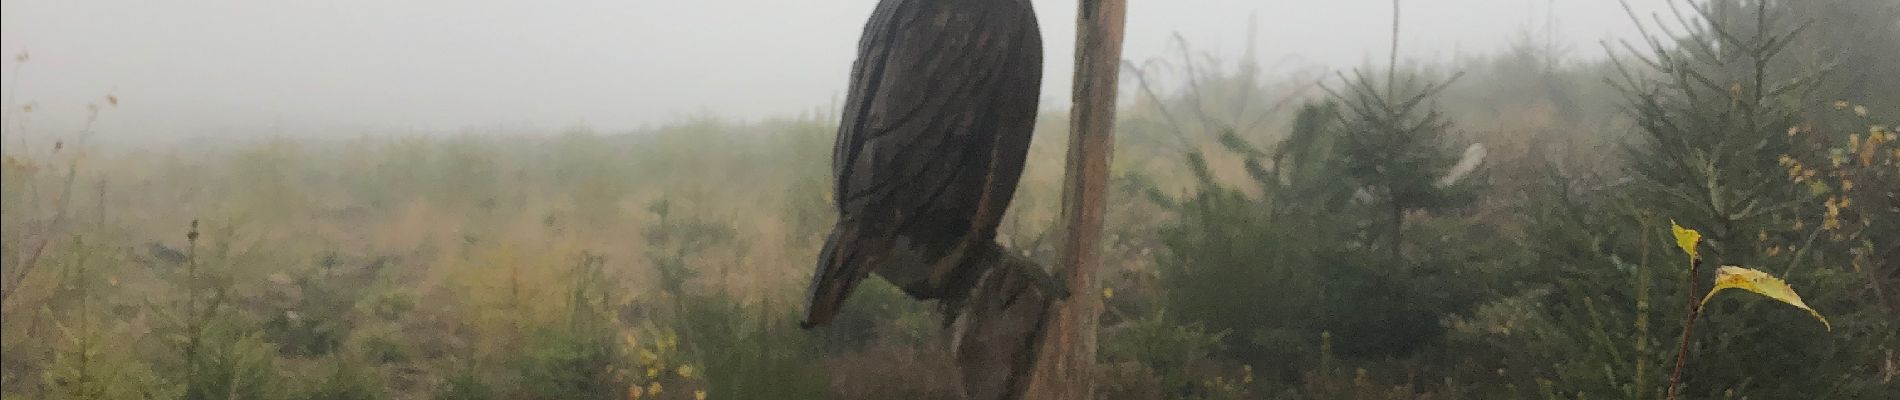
(193,67)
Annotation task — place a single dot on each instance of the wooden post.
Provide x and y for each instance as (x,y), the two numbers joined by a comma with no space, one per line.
(1066,365)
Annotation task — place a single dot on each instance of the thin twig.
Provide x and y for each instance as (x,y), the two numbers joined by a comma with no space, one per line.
(193,325)
(1141,80)
(1392,59)
(1688,326)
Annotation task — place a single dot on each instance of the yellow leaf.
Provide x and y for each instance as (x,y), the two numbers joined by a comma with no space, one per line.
(1761,283)
(1686,239)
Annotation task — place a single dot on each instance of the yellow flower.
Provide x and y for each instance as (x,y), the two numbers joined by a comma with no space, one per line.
(654,389)
(633,392)
(699,394)
(1840,104)
(653,372)
(1108,293)
(1833,220)
(648,358)
(1867,152)
(1860,111)
(685,371)
(669,341)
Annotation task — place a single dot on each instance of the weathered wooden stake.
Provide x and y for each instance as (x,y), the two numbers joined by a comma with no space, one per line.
(1066,365)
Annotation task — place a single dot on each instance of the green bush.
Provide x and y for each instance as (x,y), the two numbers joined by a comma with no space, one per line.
(345,377)
(581,356)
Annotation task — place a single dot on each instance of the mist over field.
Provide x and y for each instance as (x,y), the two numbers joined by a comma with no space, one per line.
(625,199)
(342,68)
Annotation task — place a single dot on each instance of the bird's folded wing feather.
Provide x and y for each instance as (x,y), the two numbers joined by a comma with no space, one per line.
(917,95)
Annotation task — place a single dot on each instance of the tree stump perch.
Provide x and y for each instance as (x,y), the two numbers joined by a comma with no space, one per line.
(1019,333)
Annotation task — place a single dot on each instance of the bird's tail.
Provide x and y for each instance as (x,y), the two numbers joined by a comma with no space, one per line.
(839,270)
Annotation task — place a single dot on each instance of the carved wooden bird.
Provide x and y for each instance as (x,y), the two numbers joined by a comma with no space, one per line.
(937,122)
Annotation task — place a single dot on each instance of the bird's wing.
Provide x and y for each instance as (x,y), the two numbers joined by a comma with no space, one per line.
(920,121)
(926,76)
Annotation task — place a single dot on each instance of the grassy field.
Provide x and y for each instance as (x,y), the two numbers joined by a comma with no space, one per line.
(1247,252)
